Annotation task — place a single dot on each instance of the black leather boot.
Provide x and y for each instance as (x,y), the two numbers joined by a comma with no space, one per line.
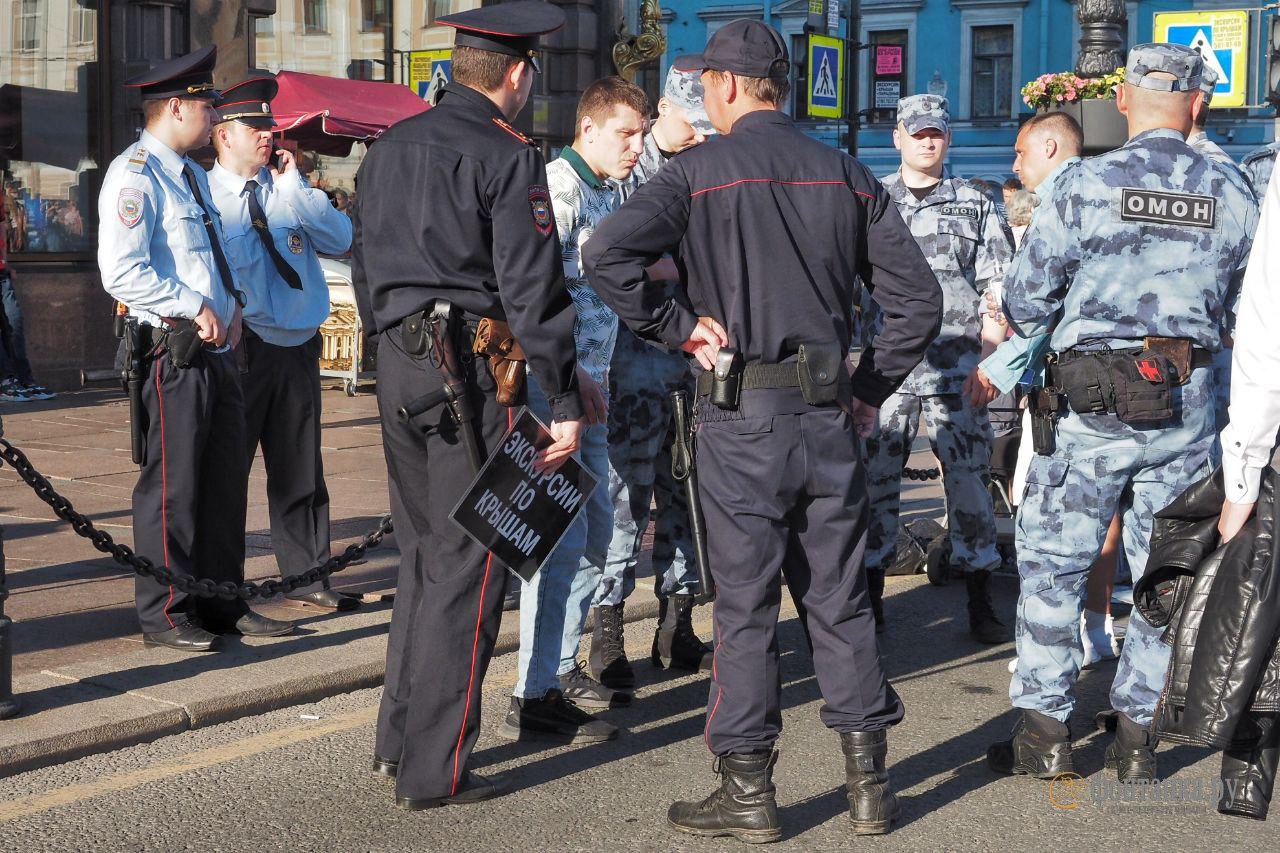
(1249,767)
(875,591)
(743,806)
(608,660)
(675,645)
(983,624)
(1040,747)
(1133,753)
(872,806)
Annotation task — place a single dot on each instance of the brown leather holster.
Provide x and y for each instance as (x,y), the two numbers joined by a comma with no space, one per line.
(506,359)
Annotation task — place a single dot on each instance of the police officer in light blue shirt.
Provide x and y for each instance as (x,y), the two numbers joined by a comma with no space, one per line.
(160,252)
(274,225)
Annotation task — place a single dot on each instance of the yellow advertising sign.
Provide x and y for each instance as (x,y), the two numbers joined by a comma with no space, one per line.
(429,70)
(1222,39)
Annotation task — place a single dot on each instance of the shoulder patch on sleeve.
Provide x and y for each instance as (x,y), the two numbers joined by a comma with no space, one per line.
(511,130)
(137,160)
(129,206)
(540,205)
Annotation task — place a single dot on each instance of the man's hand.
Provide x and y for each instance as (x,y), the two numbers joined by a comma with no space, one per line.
(209,327)
(1233,517)
(568,436)
(595,409)
(864,417)
(705,341)
(978,389)
(994,310)
(237,328)
(287,163)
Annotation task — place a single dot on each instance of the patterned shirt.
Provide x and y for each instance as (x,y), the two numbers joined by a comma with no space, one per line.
(580,201)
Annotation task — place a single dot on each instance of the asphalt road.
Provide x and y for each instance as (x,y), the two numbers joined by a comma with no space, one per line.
(285,781)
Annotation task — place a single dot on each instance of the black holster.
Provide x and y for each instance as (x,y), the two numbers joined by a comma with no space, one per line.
(183,343)
(1045,405)
(726,389)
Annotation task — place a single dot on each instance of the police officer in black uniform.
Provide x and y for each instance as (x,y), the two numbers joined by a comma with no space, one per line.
(773,229)
(453,205)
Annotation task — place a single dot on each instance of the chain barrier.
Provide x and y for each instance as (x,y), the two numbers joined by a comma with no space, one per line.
(163,575)
(921,473)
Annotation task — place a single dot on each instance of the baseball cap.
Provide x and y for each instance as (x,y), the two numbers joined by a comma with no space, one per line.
(918,112)
(1186,66)
(684,90)
(747,47)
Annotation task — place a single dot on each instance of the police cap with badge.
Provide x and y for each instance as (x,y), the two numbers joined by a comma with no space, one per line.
(511,29)
(249,102)
(189,76)
(917,113)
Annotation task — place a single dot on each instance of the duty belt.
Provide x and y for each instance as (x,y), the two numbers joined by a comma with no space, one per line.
(757,377)
(1199,358)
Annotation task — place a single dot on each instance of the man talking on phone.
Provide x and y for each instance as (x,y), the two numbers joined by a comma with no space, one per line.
(274,224)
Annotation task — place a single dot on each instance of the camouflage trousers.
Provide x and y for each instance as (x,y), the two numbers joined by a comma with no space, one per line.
(961,439)
(1100,468)
(640,379)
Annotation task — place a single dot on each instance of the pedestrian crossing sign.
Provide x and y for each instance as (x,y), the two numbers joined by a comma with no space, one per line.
(429,71)
(1222,39)
(826,77)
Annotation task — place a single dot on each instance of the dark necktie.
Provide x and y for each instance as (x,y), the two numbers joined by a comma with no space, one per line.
(219,257)
(259,219)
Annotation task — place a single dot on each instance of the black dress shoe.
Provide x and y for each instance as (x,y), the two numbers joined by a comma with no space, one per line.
(385,766)
(255,625)
(474,789)
(185,637)
(326,599)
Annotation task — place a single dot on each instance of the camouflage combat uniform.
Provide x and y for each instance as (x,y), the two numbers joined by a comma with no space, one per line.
(968,247)
(1103,267)
(1257,165)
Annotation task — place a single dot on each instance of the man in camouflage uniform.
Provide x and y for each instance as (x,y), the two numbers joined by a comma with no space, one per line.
(968,247)
(641,378)
(1257,165)
(1199,139)
(1119,253)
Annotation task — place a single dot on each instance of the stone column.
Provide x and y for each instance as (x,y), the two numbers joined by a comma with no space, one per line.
(1101,48)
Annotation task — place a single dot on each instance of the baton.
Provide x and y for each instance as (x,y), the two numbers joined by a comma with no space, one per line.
(684,468)
(425,403)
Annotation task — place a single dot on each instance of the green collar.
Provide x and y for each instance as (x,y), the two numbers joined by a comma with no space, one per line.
(580,166)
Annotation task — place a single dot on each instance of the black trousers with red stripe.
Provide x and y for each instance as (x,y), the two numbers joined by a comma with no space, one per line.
(448,605)
(782,491)
(189,503)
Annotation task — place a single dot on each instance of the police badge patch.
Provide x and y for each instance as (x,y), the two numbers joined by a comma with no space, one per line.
(295,242)
(129,206)
(540,204)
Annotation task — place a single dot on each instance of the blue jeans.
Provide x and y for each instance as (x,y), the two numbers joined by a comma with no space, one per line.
(553,606)
(13,355)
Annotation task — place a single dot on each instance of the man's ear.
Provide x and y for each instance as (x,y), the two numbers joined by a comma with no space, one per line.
(897,141)
(515,74)
(1050,147)
(587,127)
(1122,99)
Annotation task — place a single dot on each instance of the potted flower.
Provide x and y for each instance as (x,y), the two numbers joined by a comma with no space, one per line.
(1089,100)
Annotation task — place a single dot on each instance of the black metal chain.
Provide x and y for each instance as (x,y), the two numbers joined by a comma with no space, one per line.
(163,575)
(921,473)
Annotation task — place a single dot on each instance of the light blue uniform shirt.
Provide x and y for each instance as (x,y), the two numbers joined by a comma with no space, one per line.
(153,249)
(1009,363)
(302,222)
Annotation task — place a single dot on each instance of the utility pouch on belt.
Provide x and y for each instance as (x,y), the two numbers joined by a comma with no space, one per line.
(1177,350)
(1143,387)
(1044,413)
(506,359)
(414,335)
(183,342)
(726,390)
(820,369)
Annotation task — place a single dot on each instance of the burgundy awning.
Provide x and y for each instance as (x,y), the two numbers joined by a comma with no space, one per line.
(328,114)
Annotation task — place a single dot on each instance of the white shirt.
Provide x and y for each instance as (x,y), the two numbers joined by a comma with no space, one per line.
(1249,438)
(302,222)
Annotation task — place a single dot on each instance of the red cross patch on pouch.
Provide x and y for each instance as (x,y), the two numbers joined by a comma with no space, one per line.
(540,205)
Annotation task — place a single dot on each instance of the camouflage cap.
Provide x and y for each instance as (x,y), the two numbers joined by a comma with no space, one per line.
(1208,82)
(684,90)
(1182,62)
(917,112)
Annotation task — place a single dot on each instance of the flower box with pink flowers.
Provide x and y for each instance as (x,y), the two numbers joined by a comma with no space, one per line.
(1089,100)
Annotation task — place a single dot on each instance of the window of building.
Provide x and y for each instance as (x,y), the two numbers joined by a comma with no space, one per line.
(887,77)
(373,16)
(263,27)
(27,22)
(315,16)
(435,10)
(992,72)
(154,31)
(84,24)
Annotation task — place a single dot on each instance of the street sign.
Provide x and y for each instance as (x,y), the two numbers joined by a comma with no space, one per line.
(513,511)
(1222,39)
(429,70)
(826,77)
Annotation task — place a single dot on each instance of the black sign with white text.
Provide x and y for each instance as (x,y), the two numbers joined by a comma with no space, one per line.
(515,512)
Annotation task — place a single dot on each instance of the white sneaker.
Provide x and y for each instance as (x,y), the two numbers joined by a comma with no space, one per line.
(1099,640)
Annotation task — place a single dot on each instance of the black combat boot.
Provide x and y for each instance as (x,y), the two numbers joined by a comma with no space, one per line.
(675,646)
(1133,753)
(608,660)
(875,590)
(983,624)
(1040,747)
(743,806)
(1249,767)
(872,806)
